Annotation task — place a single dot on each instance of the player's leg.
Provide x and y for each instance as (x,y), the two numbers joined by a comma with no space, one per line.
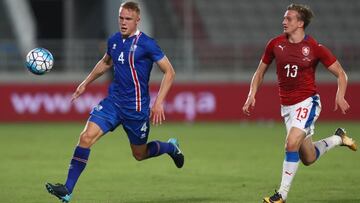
(298,119)
(311,151)
(156,148)
(294,140)
(339,138)
(91,133)
(139,152)
(291,162)
(95,127)
(150,150)
(138,132)
(171,147)
(307,151)
(290,165)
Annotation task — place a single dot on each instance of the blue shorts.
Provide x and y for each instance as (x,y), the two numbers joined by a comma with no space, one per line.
(107,116)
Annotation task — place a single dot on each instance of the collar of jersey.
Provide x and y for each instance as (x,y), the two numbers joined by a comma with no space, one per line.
(136,34)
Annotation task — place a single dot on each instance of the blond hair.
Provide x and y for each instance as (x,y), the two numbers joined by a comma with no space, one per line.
(304,11)
(131,6)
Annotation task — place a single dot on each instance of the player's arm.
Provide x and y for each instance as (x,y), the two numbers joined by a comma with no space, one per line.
(342,78)
(157,111)
(100,68)
(254,86)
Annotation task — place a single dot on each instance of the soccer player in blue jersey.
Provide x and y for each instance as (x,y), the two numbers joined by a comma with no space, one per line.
(131,53)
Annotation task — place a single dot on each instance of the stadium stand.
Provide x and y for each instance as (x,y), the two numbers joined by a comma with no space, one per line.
(246,27)
(204,36)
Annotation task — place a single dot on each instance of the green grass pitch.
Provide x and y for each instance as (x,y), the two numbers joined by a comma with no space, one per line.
(225,162)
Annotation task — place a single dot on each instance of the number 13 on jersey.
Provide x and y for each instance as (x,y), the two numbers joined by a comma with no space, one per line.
(292,70)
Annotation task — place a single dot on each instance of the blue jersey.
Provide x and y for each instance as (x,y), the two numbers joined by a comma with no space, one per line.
(133,59)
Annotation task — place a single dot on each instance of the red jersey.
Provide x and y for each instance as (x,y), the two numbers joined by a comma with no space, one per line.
(295,66)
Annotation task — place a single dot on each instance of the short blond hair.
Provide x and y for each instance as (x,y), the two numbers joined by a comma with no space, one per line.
(304,11)
(131,6)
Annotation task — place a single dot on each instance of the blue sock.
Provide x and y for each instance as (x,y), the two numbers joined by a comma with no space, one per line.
(292,156)
(77,165)
(290,166)
(317,152)
(157,148)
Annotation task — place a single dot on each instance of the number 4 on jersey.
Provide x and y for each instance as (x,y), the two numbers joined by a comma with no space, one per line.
(121,58)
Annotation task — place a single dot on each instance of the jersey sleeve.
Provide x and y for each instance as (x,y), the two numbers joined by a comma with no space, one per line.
(268,55)
(154,50)
(325,55)
(108,47)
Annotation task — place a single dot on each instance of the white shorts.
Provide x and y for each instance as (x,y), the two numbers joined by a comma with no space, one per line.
(302,115)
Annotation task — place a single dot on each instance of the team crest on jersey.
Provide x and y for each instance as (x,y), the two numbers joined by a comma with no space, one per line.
(306,51)
(114,46)
(98,107)
(133,47)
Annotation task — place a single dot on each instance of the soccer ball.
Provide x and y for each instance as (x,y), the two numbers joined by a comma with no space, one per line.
(39,61)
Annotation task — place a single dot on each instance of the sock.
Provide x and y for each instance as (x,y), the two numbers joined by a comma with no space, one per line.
(326,144)
(157,148)
(77,165)
(290,167)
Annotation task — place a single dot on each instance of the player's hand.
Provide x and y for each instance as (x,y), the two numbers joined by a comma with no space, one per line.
(341,103)
(157,114)
(79,90)
(249,105)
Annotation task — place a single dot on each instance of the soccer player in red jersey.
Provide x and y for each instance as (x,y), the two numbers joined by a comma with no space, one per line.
(297,55)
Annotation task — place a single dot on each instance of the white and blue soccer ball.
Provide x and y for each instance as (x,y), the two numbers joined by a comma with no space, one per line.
(39,61)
